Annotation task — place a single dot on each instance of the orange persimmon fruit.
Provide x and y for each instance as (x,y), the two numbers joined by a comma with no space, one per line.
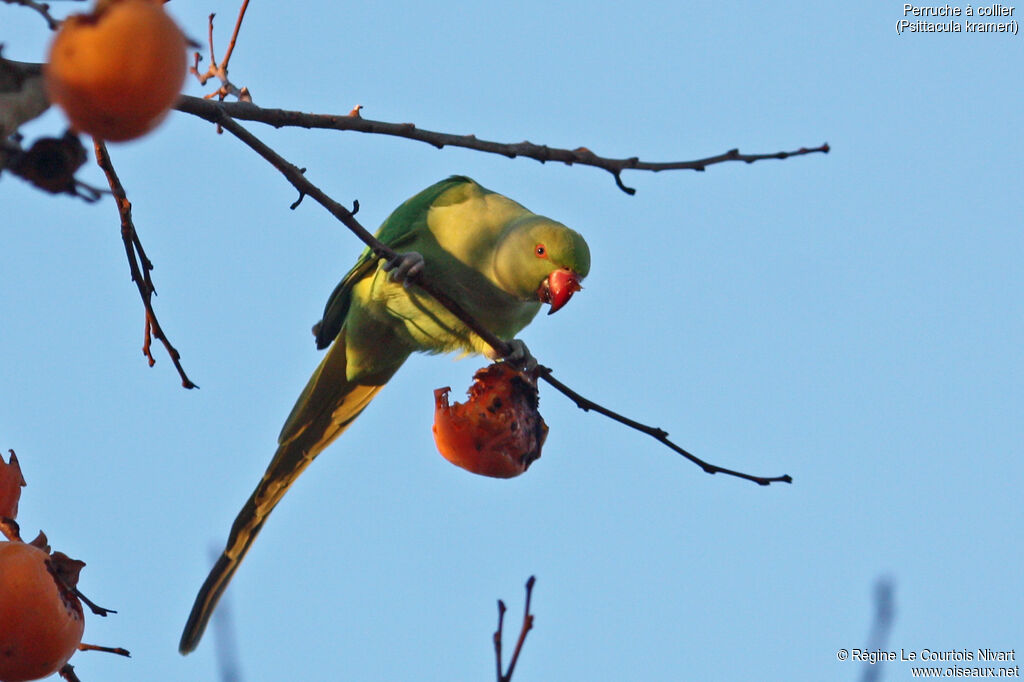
(41,619)
(498,432)
(118,70)
(11,482)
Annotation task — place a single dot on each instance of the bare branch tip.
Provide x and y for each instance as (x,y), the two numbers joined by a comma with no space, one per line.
(117,651)
(618,181)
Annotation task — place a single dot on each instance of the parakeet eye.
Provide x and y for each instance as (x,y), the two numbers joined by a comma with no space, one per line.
(541,251)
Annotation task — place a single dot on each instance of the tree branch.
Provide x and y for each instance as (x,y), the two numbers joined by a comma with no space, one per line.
(41,7)
(297,178)
(220,71)
(216,112)
(523,631)
(280,118)
(658,434)
(140,274)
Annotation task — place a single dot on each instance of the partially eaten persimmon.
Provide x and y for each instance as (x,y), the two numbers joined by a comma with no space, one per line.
(499,431)
(41,619)
(117,71)
(11,482)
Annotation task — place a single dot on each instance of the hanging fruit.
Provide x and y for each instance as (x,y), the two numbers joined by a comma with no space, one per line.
(498,432)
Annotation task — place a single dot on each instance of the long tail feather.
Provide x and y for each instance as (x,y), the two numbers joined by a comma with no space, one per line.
(325,409)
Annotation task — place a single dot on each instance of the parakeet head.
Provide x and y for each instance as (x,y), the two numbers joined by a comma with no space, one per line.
(541,260)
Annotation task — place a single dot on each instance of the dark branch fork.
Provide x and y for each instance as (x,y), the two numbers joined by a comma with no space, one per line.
(217,113)
(280,118)
(220,70)
(527,625)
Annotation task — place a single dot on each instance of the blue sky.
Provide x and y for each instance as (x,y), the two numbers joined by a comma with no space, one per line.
(854,320)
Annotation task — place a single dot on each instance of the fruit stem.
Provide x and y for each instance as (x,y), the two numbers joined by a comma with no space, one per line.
(98,610)
(105,649)
(10,530)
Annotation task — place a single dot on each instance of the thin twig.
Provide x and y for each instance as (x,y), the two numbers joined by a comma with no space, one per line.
(41,7)
(213,53)
(298,179)
(581,155)
(234,35)
(93,606)
(523,631)
(220,71)
(118,651)
(497,638)
(658,434)
(140,274)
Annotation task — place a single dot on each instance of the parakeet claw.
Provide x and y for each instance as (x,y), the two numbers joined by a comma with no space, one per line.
(405,267)
(521,357)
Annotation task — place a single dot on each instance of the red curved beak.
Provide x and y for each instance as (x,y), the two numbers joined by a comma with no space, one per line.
(558,288)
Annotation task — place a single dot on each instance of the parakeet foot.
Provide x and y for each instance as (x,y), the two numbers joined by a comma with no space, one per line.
(521,357)
(405,267)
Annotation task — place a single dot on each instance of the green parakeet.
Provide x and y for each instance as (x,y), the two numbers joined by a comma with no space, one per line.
(498,260)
